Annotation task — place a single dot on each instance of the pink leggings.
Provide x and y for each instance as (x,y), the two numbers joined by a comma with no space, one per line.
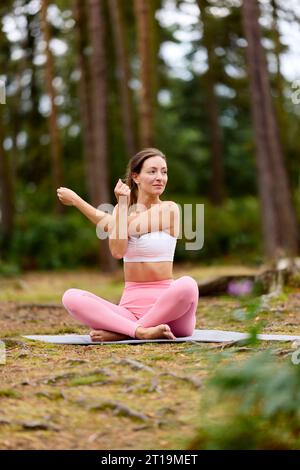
(146,304)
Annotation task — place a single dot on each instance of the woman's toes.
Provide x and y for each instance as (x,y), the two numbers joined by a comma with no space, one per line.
(95,335)
(168,333)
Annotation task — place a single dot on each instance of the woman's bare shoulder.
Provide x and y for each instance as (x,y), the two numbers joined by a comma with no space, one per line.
(172,205)
(172,211)
(169,203)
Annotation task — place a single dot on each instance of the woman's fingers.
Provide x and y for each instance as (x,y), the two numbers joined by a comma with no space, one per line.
(66,196)
(121,185)
(122,189)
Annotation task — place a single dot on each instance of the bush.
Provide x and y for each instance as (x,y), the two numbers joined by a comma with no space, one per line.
(8,269)
(52,242)
(260,406)
(48,241)
(254,404)
(232,230)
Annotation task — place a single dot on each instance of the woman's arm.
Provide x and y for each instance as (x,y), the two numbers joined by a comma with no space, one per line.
(70,198)
(94,215)
(158,218)
(118,231)
(118,237)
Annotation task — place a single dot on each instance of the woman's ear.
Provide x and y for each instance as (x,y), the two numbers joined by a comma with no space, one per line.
(133,176)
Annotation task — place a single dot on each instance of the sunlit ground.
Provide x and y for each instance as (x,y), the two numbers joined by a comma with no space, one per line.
(41,286)
(95,397)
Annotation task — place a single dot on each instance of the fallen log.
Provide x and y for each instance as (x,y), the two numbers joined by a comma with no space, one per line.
(286,272)
(218,285)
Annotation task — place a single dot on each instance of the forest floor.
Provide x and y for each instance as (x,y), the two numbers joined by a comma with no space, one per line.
(143,396)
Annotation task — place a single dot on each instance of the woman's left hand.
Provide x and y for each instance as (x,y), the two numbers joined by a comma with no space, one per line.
(67,196)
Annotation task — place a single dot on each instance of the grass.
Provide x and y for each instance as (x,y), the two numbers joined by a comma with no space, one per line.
(43,286)
(91,397)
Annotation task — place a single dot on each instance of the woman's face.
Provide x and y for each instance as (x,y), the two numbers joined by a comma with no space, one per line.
(153,176)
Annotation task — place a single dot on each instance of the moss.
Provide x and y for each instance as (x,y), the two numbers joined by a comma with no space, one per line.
(88,380)
(9,393)
(62,401)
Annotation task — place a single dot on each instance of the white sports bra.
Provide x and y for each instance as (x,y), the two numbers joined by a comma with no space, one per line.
(151,246)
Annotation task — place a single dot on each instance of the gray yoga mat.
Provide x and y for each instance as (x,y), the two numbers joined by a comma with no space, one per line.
(205,336)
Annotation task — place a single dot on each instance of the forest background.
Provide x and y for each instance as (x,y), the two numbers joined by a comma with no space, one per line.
(214,84)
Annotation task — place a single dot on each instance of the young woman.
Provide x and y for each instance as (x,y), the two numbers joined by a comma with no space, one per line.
(153,304)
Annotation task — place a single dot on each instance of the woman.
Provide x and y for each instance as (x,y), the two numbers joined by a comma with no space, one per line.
(153,304)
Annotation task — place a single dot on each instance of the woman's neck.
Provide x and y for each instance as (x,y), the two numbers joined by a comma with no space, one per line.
(148,202)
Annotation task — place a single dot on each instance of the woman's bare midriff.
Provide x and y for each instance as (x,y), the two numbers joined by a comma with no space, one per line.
(144,271)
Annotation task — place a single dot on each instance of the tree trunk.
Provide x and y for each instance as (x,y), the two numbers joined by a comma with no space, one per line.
(55,143)
(6,197)
(84,88)
(279,80)
(142,13)
(32,22)
(277,51)
(33,171)
(155,41)
(99,114)
(217,189)
(123,74)
(278,215)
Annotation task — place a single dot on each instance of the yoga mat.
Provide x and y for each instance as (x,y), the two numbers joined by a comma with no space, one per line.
(205,336)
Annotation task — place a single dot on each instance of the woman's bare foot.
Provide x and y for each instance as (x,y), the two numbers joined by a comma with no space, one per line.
(155,332)
(104,335)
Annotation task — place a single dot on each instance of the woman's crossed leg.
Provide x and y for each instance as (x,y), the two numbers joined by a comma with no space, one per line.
(109,322)
(176,306)
(173,313)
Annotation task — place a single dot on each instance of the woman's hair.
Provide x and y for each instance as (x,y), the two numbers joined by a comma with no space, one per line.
(135,165)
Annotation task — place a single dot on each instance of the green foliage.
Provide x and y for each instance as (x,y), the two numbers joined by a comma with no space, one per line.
(257,401)
(261,383)
(262,401)
(230,230)
(8,269)
(52,242)
(254,404)
(182,130)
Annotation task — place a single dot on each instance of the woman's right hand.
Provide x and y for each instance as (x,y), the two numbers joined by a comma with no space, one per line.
(122,189)
(67,196)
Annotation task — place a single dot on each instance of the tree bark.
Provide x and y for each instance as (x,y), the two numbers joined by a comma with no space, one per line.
(84,88)
(277,51)
(142,13)
(6,196)
(217,186)
(99,113)
(55,143)
(123,74)
(33,171)
(278,216)
(279,80)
